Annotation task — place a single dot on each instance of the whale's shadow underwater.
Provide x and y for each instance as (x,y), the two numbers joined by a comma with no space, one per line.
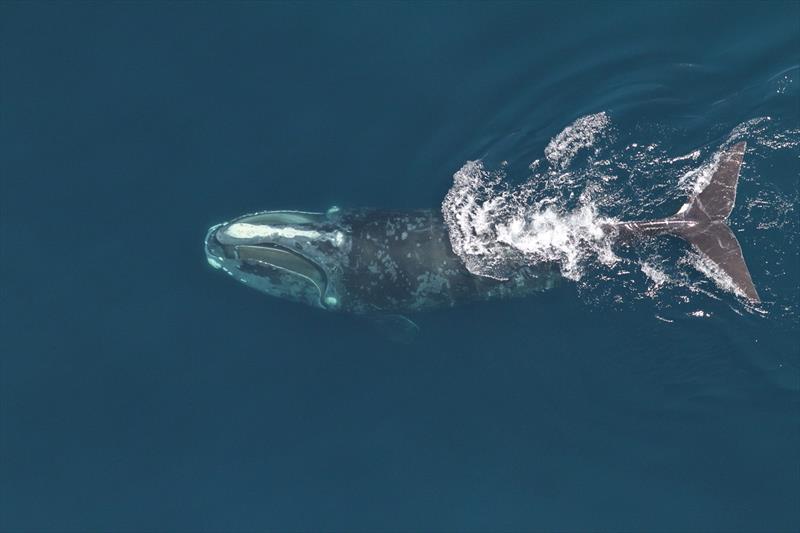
(384,264)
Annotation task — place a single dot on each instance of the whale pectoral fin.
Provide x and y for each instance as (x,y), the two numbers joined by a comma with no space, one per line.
(398,328)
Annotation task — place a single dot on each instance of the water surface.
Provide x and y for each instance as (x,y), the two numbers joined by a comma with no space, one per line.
(142,391)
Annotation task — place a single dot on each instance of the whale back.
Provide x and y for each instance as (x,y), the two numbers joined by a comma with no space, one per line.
(403,261)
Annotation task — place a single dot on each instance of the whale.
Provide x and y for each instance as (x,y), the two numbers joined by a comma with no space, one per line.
(390,263)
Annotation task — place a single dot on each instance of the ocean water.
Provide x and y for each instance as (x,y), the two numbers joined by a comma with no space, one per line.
(140,390)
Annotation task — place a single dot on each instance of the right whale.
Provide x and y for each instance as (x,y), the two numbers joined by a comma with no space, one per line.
(384,263)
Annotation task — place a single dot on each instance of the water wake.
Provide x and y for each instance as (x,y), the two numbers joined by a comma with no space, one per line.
(495,227)
(557,214)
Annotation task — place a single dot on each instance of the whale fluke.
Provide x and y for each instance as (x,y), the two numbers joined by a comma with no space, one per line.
(715,201)
(718,243)
(702,222)
(709,210)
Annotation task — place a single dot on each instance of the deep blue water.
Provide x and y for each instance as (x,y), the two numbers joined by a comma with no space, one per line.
(142,391)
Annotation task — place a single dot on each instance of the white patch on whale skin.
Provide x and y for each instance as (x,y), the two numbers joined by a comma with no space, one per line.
(242,230)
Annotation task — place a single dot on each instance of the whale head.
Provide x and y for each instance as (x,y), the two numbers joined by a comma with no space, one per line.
(292,255)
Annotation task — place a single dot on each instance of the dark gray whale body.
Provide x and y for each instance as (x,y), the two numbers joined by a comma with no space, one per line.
(366,261)
(385,263)
(402,261)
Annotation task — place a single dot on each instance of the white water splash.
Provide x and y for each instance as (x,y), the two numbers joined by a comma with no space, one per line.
(657,277)
(580,134)
(696,179)
(710,270)
(495,228)
(557,214)
(550,235)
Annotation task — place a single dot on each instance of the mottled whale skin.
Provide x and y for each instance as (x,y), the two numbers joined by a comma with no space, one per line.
(365,261)
(403,262)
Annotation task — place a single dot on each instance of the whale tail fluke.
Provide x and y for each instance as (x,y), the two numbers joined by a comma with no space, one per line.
(715,201)
(702,222)
(718,244)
